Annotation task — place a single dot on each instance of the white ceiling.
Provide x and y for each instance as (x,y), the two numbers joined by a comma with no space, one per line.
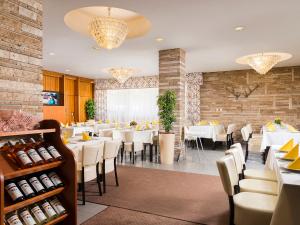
(204,28)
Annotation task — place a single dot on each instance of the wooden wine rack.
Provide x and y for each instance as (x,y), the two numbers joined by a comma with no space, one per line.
(66,170)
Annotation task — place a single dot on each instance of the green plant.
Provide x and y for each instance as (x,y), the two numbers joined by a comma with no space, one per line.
(277,121)
(90,109)
(133,123)
(166,105)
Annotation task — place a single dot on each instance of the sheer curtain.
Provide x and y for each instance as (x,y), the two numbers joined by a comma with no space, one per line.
(125,105)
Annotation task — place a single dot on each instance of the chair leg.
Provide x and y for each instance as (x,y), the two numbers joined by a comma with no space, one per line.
(83,186)
(98,179)
(198,149)
(116,174)
(247,152)
(103,176)
(151,152)
(133,156)
(214,145)
(122,152)
(231,206)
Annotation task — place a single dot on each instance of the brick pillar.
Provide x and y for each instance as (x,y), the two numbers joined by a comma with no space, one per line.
(172,77)
(21,55)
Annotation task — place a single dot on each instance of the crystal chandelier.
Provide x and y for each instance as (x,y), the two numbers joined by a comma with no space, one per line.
(263,62)
(121,74)
(107,31)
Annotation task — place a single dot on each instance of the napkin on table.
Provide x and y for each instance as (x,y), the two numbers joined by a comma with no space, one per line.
(287,146)
(293,153)
(295,165)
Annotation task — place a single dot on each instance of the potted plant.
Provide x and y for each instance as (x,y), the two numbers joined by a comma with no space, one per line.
(277,121)
(166,105)
(90,110)
(133,124)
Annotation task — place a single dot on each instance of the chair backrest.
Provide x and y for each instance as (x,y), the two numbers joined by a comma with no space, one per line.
(106,133)
(128,136)
(237,159)
(249,127)
(91,154)
(245,133)
(111,149)
(231,128)
(240,148)
(228,173)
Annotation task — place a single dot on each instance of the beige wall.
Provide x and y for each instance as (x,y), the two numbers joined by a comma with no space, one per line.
(277,95)
(21,55)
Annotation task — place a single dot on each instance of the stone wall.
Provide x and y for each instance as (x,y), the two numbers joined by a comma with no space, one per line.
(21,55)
(278,95)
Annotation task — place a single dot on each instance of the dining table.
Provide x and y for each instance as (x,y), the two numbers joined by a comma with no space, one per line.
(288,204)
(77,130)
(206,131)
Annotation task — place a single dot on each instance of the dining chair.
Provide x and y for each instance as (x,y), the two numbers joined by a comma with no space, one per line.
(263,174)
(132,146)
(106,133)
(250,130)
(246,208)
(87,167)
(226,137)
(251,185)
(252,144)
(155,144)
(110,152)
(147,140)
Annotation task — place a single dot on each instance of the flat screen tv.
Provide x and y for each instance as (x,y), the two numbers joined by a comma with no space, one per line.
(51,98)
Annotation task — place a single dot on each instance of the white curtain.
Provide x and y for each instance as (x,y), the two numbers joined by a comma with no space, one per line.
(125,105)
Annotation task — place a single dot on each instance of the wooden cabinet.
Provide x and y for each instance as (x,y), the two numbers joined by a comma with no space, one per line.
(66,169)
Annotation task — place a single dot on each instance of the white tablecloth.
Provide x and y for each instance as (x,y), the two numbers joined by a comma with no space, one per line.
(76,145)
(207,131)
(278,137)
(288,205)
(144,136)
(77,130)
(102,126)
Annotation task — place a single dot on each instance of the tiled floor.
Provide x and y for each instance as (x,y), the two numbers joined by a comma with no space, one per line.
(202,162)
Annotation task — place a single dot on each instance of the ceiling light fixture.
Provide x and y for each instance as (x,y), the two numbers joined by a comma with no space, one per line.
(263,62)
(239,28)
(51,53)
(159,39)
(121,74)
(68,70)
(107,31)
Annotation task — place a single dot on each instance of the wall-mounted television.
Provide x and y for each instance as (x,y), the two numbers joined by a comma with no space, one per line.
(51,98)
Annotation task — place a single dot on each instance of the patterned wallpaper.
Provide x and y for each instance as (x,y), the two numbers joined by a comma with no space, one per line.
(193,82)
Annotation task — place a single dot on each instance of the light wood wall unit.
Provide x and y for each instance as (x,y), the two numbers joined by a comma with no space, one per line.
(75,90)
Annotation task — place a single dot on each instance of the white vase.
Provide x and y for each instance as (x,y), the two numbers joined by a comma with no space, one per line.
(166,146)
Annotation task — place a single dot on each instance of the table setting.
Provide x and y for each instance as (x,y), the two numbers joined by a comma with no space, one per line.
(207,129)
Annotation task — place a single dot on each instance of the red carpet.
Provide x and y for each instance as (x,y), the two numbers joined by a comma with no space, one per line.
(184,196)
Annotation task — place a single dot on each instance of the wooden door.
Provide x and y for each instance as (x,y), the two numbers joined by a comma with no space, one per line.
(70,97)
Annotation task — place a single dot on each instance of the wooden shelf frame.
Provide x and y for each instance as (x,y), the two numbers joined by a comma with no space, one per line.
(66,170)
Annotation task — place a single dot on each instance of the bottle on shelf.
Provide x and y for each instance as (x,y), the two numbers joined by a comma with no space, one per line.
(58,207)
(55,179)
(12,219)
(26,217)
(37,186)
(42,150)
(31,152)
(47,182)
(48,209)
(20,155)
(14,192)
(50,148)
(38,214)
(26,188)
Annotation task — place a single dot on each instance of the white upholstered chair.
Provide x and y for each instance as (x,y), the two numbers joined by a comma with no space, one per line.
(110,152)
(132,146)
(87,167)
(251,134)
(228,136)
(264,174)
(246,208)
(252,144)
(251,185)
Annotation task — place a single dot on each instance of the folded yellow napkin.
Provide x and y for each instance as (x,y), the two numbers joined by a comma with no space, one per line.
(85,136)
(287,146)
(147,126)
(291,128)
(62,125)
(65,140)
(127,125)
(107,121)
(269,123)
(295,165)
(293,153)
(203,123)
(99,121)
(214,122)
(271,127)
(138,127)
(67,125)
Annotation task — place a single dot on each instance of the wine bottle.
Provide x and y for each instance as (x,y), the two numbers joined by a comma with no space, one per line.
(51,149)
(38,214)
(57,206)
(20,155)
(47,182)
(55,179)
(25,188)
(42,151)
(37,186)
(49,211)
(32,153)
(14,192)
(26,217)
(12,219)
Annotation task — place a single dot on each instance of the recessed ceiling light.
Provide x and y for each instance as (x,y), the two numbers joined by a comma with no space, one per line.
(96,47)
(239,28)
(159,39)
(51,53)
(68,70)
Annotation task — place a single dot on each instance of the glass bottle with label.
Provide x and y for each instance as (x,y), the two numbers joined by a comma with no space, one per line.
(57,206)
(37,186)
(38,214)
(20,155)
(26,217)
(48,209)
(55,179)
(46,182)
(14,192)
(32,153)
(12,219)
(42,150)
(26,188)
(50,148)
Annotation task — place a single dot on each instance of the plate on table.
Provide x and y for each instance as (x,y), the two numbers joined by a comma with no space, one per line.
(289,169)
(281,158)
